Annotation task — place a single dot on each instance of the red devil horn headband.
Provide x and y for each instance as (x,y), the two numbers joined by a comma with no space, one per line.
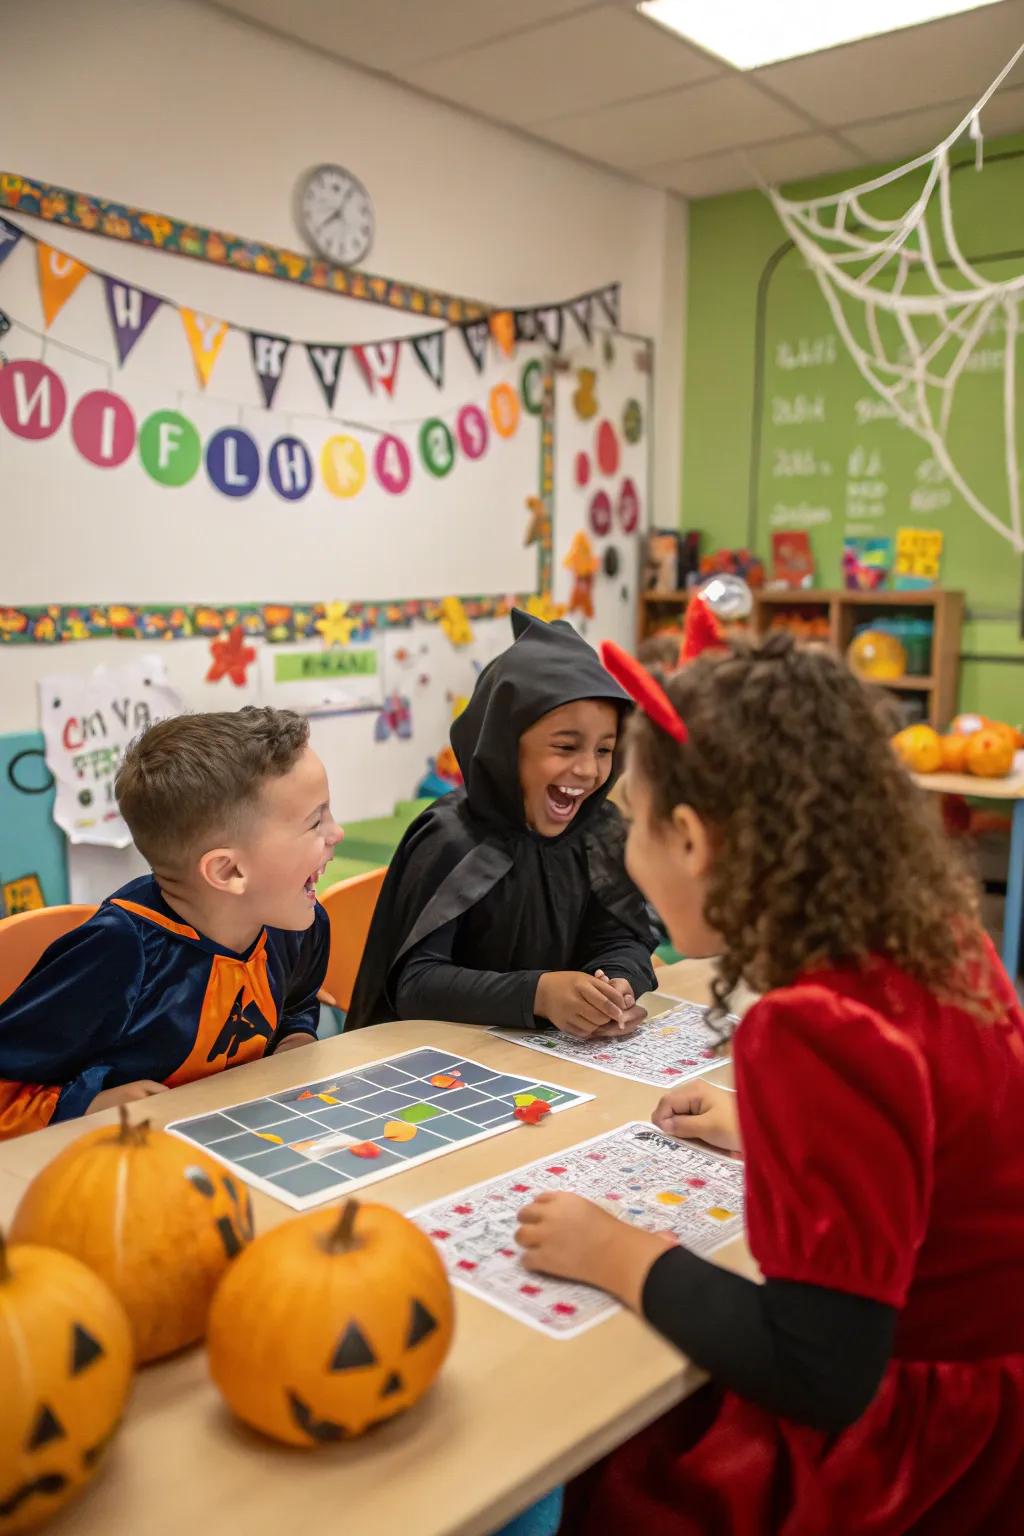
(643,690)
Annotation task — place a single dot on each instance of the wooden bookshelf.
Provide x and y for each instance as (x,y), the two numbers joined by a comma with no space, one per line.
(658,611)
(846,611)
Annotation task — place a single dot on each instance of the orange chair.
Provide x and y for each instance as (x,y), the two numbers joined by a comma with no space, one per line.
(24,937)
(350,906)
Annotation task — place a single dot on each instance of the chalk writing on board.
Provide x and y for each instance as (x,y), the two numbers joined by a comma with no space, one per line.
(806,352)
(865,489)
(987,360)
(797,410)
(798,462)
(802,516)
(868,408)
(932,491)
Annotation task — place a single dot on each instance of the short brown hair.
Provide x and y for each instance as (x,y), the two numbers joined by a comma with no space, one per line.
(190,777)
(660,652)
(828,854)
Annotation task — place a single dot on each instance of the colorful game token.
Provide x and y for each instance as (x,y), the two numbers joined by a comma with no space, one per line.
(399,1130)
(364,1149)
(446,1080)
(533,1114)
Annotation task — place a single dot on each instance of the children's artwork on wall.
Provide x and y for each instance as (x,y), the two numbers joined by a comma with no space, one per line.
(32,852)
(454,622)
(318,681)
(583,564)
(395,719)
(88,720)
(232,658)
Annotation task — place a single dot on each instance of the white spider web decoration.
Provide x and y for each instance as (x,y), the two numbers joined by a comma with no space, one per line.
(910,307)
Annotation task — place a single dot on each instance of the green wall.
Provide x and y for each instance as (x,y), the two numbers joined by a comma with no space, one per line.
(763,352)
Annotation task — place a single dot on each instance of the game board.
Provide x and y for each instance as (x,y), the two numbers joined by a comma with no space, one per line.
(666,1050)
(314,1143)
(643,1177)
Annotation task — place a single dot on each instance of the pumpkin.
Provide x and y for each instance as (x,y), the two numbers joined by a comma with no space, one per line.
(329,1325)
(152,1215)
(919,748)
(66,1367)
(989,753)
(954,753)
(966,725)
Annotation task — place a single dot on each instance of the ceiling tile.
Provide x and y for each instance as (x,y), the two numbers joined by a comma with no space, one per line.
(958,56)
(811,154)
(892,138)
(393,34)
(572,65)
(716,115)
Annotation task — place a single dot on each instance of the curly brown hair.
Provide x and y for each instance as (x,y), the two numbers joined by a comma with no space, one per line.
(826,853)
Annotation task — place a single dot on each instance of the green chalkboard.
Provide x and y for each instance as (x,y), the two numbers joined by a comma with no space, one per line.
(821,448)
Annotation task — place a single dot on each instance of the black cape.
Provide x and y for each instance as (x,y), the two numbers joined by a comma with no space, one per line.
(518,899)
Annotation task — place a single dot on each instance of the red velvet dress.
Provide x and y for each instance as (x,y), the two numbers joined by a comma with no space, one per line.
(884,1146)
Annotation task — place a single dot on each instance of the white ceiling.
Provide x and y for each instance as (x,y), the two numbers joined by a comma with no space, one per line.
(600,80)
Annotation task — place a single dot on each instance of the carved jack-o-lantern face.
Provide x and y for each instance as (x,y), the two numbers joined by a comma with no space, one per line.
(65,1365)
(152,1215)
(325,1328)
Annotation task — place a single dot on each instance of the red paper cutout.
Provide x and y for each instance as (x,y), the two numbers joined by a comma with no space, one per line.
(231,658)
(532,1114)
(607,449)
(364,1149)
(642,688)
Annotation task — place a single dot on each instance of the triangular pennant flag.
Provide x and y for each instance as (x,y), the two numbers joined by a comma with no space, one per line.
(581,310)
(131,310)
(608,298)
(503,329)
(526,324)
(378,361)
(59,276)
(326,363)
(549,325)
(9,237)
(205,337)
(475,336)
(268,355)
(430,351)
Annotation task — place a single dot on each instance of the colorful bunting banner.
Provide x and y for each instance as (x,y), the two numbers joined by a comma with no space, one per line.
(503,329)
(131,310)
(326,364)
(268,355)
(475,337)
(429,350)
(581,310)
(550,324)
(608,298)
(9,237)
(378,363)
(205,337)
(59,276)
(526,324)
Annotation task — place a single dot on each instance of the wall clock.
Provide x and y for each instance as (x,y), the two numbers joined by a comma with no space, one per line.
(335,214)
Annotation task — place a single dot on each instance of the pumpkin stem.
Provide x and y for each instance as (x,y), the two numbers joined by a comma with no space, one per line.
(5,1269)
(131,1135)
(343,1236)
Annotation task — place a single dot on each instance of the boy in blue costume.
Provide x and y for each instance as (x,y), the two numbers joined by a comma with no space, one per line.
(213,960)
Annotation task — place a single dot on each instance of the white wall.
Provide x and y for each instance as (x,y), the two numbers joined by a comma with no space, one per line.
(178,108)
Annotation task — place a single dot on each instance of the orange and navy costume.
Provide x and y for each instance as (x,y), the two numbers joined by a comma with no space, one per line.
(136,993)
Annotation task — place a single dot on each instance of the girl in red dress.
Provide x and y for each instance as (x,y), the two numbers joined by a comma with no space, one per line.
(874,1384)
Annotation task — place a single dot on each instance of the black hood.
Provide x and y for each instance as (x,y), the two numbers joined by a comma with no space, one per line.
(546,666)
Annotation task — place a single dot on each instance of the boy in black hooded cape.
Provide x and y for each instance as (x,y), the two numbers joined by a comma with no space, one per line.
(477,906)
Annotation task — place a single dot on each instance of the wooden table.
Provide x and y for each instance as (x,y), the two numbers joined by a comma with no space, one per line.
(513,1413)
(1010,788)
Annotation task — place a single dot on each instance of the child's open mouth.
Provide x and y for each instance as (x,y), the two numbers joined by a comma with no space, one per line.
(311,883)
(563,802)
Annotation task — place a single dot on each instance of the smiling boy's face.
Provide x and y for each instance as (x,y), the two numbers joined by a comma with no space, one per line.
(563,758)
(289,839)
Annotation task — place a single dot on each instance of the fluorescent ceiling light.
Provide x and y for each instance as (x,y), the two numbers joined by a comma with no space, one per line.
(749,33)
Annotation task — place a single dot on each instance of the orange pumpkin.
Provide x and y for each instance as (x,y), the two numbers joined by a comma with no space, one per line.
(329,1325)
(954,753)
(152,1215)
(966,725)
(919,748)
(66,1367)
(989,753)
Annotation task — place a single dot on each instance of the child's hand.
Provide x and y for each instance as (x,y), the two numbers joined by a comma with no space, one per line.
(128,1093)
(578,1004)
(290,1042)
(700,1111)
(568,1236)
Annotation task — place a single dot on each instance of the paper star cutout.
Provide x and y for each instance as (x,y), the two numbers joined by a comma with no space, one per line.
(231,658)
(454,621)
(335,627)
(540,523)
(543,606)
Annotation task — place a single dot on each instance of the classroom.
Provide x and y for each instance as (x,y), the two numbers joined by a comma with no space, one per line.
(512,767)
